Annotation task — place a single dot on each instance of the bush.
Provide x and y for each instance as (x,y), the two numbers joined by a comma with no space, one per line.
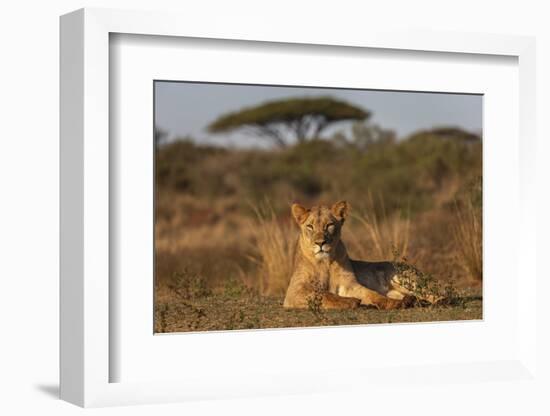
(409,172)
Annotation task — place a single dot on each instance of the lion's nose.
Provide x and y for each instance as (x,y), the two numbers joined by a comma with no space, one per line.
(320,242)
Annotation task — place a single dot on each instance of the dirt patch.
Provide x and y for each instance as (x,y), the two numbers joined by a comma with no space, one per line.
(238,310)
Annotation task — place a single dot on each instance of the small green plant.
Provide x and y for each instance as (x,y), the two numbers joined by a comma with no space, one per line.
(427,290)
(235,319)
(198,314)
(253,322)
(234,288)
(189,285)
(240,320)
(315,300)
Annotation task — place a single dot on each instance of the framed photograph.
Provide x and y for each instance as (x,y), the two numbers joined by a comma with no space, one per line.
(286,213)
(235,248)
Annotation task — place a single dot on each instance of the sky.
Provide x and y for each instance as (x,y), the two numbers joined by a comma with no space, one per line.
(185,109)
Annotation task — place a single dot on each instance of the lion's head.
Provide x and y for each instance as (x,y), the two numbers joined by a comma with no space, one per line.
(321,227)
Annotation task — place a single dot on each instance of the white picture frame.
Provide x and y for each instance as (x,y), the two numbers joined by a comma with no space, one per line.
(86,353)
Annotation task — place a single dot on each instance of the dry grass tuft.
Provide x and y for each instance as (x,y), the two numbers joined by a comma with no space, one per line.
(468,236)
(380,236)
(275,243)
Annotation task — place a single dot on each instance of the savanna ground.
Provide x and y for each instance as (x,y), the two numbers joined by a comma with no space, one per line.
(224,238)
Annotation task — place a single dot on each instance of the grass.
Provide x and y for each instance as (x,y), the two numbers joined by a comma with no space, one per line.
(252,311)
(191,305)
(205,294)
(385,233)
(274,244)
(208,292)
(189,286)
(467,233)
(224,256)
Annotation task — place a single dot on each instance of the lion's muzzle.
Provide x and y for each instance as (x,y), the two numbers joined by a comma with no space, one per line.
(321,249)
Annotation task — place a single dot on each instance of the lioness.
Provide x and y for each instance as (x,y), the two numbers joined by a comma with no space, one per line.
(323,268)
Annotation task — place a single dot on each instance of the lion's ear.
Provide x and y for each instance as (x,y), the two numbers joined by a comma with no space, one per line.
(299,213)
(341,210)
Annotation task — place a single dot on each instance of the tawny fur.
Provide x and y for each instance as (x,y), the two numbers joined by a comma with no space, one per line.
(323,269)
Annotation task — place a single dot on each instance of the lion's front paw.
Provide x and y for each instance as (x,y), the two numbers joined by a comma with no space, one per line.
(406,302)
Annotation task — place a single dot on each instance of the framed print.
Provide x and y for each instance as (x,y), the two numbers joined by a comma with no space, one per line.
(236,209)
(233,248)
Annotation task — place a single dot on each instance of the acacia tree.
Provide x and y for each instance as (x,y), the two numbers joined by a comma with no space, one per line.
(281,121)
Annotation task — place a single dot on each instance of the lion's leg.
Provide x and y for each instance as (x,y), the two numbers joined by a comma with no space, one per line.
(301,298)
(395,294)
(332,301)
(371,297)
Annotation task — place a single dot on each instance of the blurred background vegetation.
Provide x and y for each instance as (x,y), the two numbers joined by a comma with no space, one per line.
(222,213)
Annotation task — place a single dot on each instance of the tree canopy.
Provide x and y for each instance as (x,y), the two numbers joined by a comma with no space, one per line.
(452,133)
(281,121)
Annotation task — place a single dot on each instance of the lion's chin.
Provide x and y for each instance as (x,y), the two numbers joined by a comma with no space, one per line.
(321,255)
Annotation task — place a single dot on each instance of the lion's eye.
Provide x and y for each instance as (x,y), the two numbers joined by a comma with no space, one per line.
(330,228)
(309,227)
